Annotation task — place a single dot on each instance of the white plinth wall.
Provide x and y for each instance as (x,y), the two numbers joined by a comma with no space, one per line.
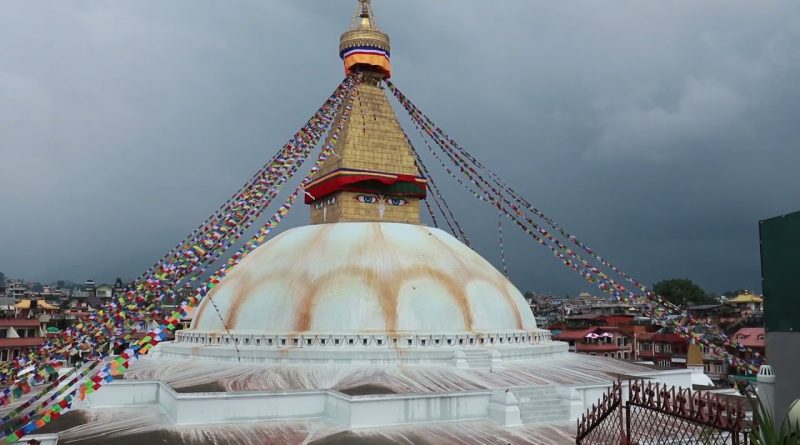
(502,406)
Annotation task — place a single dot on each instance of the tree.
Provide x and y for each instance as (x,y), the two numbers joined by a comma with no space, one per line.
(2,280)
(682,291)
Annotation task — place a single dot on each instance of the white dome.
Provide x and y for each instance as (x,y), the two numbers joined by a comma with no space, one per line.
(364,278)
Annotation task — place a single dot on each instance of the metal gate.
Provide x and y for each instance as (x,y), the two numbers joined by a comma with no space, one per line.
(654,414)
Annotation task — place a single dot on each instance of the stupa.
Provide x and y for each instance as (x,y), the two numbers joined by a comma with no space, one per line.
(365,326)
(365,273)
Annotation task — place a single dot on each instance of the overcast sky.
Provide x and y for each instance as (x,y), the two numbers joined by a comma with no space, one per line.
(658,132)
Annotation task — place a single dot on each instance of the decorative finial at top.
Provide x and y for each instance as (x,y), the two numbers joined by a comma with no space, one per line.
(364,45)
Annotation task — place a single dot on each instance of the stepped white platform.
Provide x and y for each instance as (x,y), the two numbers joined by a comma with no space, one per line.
(496,394)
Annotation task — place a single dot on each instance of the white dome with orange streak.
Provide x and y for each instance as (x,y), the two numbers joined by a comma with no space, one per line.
(364,278)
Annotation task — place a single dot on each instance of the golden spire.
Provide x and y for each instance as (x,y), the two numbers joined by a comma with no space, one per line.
(363,18)
(364,44)
(373,175)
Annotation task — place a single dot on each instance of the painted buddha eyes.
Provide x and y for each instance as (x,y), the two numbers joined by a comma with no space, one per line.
(320,204)
(372,199)
(367,199)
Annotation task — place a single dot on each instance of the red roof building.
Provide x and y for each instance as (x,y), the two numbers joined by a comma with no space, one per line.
(18,333)
(750,343)
(607,341)
(663,349)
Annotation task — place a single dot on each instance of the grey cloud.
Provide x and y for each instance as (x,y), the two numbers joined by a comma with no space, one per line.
(704,109)
(657,132)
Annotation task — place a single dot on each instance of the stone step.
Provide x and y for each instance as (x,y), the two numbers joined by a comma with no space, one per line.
(536,389)
(532,416)
(540,400)
(543,397)
(546,410)
(545,419)
(478,359)
(551,410)
(546,392)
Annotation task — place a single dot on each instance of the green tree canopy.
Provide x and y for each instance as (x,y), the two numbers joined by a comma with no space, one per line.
(682,291)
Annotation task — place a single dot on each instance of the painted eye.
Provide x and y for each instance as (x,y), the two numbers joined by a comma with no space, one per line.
(331,201)
(367,199)
(318,205)
(396,201)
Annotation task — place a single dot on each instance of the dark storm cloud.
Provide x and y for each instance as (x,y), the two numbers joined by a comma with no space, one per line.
(657,132)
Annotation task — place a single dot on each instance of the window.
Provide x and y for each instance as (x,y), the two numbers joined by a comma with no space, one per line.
(3,334)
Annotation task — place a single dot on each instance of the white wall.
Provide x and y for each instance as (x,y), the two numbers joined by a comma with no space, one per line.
(354,412)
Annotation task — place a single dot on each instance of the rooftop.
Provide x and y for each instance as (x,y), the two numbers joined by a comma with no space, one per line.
(26,341)
(19,322)
(746,298)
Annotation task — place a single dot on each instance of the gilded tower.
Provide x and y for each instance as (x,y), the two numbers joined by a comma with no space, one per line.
(372,175)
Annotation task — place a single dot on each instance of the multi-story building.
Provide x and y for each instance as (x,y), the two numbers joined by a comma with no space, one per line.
(17,334)
(715,314)
(104,292)
(34,308)
(748,304)
(663,349)
(713,364)
(606,341)
(16,290)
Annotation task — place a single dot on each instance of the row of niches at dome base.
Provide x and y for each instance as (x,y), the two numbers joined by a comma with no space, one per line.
(339,340)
